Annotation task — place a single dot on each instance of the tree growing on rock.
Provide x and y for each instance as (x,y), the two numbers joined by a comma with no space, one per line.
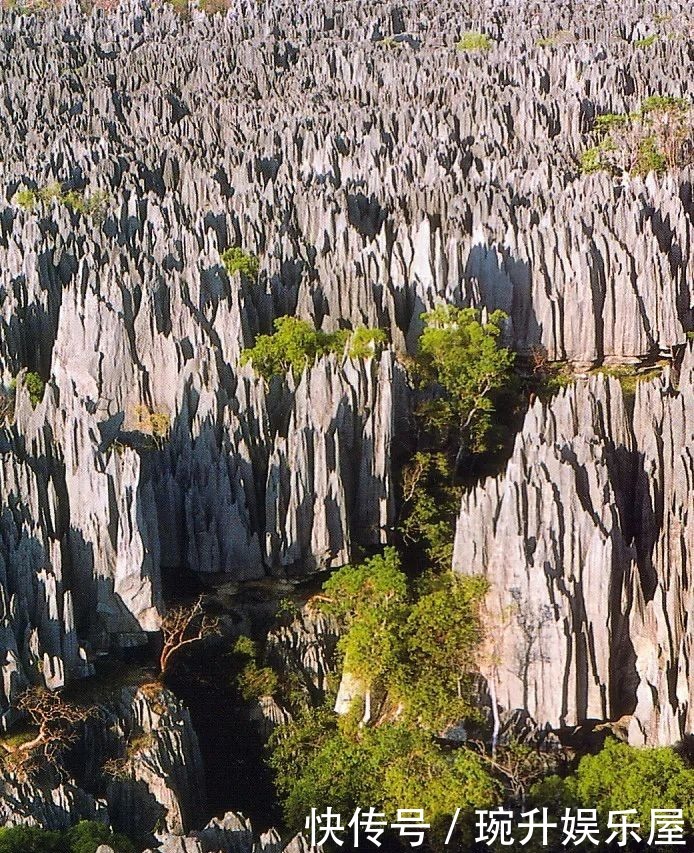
(58,725)
(182,626)
(461,361)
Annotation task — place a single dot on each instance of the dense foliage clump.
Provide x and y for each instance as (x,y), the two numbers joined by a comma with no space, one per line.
(461,360)
(34,385)
(92,205)
(295,345)
(235,260)
(412,648)
(472,41)
(84,837)
(657,137)
(623,777)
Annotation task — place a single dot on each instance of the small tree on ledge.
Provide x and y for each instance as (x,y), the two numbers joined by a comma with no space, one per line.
(58,724)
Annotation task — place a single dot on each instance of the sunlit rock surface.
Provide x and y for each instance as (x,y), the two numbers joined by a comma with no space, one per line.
(587,540)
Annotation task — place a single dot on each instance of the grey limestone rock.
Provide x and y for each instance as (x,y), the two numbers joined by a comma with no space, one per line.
(587,543)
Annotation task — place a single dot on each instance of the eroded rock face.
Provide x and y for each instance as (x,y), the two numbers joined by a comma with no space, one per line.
(232,834)
(372,181)
(155,787)
(586,540)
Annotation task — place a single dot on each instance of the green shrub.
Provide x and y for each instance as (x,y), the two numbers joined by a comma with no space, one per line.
(417,650)
(629,377)
(365,343)
(646,42)
(460,355)
(50,192)
(93,205)
(665,103)
(30,839)
(253,680)
(648,158)
(472,41)
(87,835)
(34,385)
(431,505)
(652,139)
(25,198)
(294,345)
(257,681)
(237,261)
(318,763)
(623,777)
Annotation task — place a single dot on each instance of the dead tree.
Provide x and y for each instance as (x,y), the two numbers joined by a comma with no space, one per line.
(58,725)
(183,626)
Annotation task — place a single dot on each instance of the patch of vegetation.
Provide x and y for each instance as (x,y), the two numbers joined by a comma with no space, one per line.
(415,647)
(25,198)
(84,837)
(365,343)
(648,41)
(253,680)
(412,647)
(30,7)
(295,345)
(235,261)
(180,7)
(34,385)
(12,741)
(623,777)
(464,367)
(87,835)
(149,422)
(317,763)
(655,138)
(559,38)
(472,41)
(629,376)
(214,7)
(431,501)
(93,205)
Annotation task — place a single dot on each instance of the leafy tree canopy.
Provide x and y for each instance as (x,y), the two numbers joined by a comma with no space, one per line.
(84,837)
(318,763)
(460,355)
(295,345)
(624,777)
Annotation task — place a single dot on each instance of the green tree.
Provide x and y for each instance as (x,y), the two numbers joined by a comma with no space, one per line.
(87,835)
(236,260)
(441,637)
(623,777)
(431,503)
(294,345)
(459,355)
(30,839)
(34,385)
(364,343)
(391,766)
(253,680)
(371,600)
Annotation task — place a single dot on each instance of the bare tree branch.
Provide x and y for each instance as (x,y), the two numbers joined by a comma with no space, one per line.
(183,626)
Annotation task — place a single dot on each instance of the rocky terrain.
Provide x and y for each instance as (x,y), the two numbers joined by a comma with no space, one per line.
(375,171)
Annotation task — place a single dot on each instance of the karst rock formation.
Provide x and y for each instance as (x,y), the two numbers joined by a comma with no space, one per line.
(375,171)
